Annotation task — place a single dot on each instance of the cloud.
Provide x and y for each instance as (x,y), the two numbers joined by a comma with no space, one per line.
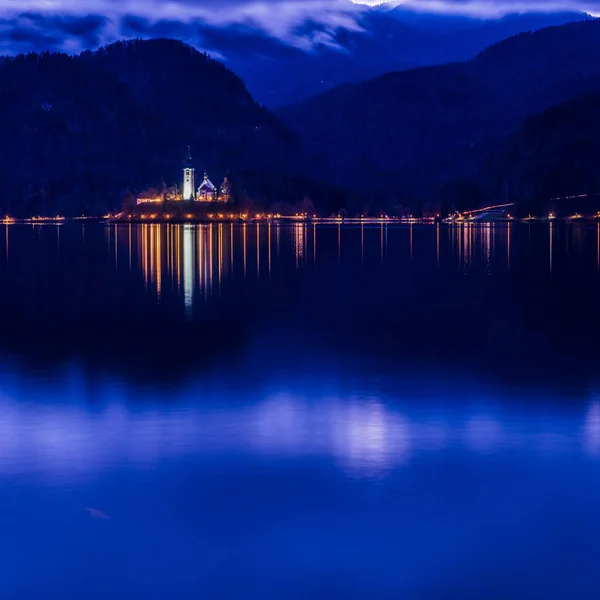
(222,25)
(495,9)
(60,24)
(31,31)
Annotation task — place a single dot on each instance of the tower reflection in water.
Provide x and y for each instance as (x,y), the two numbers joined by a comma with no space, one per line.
(196,261)
(192,259)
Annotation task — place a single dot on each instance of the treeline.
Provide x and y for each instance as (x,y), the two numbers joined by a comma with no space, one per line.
(80,133)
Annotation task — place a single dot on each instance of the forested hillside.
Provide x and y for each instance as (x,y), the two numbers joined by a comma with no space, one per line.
(428,134)
(518,122)
(554,154)
(78,132)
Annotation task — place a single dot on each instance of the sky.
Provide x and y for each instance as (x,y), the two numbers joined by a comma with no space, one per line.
(71,25)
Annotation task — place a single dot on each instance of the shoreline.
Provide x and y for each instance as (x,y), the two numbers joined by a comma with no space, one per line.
(159,220)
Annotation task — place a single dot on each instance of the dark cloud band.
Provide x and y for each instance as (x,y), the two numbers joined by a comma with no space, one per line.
(222,24)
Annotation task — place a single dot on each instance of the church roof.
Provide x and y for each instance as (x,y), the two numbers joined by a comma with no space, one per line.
(207,184)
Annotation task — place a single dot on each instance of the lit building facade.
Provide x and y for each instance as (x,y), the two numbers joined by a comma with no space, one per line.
(206,192)
(188,178)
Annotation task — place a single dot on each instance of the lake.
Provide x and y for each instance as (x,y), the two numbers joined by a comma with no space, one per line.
(299,411)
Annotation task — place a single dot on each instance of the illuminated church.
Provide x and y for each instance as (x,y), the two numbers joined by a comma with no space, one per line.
(207,191)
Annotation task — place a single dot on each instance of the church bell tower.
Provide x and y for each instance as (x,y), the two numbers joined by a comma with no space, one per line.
(188,178)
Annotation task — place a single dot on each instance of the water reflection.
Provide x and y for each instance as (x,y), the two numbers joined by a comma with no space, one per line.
(253,414)
(197,261)
(198,258)
(551,238)
(591,431)
(365,435)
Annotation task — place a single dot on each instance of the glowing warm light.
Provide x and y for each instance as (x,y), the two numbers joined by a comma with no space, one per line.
(570,197)
(53,219)
(149,200)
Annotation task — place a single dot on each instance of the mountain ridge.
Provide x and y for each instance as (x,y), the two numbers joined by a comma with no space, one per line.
(349,44)
(407,133)
(384,41)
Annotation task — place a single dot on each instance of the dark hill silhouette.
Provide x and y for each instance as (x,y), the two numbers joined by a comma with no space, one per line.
(411,133)
(554,154)
(68,129)
(78,131)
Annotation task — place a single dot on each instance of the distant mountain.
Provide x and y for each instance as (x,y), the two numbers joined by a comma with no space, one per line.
(383,41)
(79,131)
(409,134)
(305,50)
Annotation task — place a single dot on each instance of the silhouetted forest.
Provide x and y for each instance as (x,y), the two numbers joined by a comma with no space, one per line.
(80,133)
(555,154)
(518,122)
(442,135)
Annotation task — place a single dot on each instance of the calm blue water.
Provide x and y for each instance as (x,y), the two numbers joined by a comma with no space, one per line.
(299,412)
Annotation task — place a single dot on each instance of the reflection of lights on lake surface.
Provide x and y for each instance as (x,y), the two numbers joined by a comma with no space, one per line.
(197,260)
(195,256)
(487,245)
(483,433)
(363,436)
(368,439)
(188,265)
(299,241)
(591,429)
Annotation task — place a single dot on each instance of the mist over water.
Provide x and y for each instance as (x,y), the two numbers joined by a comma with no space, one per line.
(299,411)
